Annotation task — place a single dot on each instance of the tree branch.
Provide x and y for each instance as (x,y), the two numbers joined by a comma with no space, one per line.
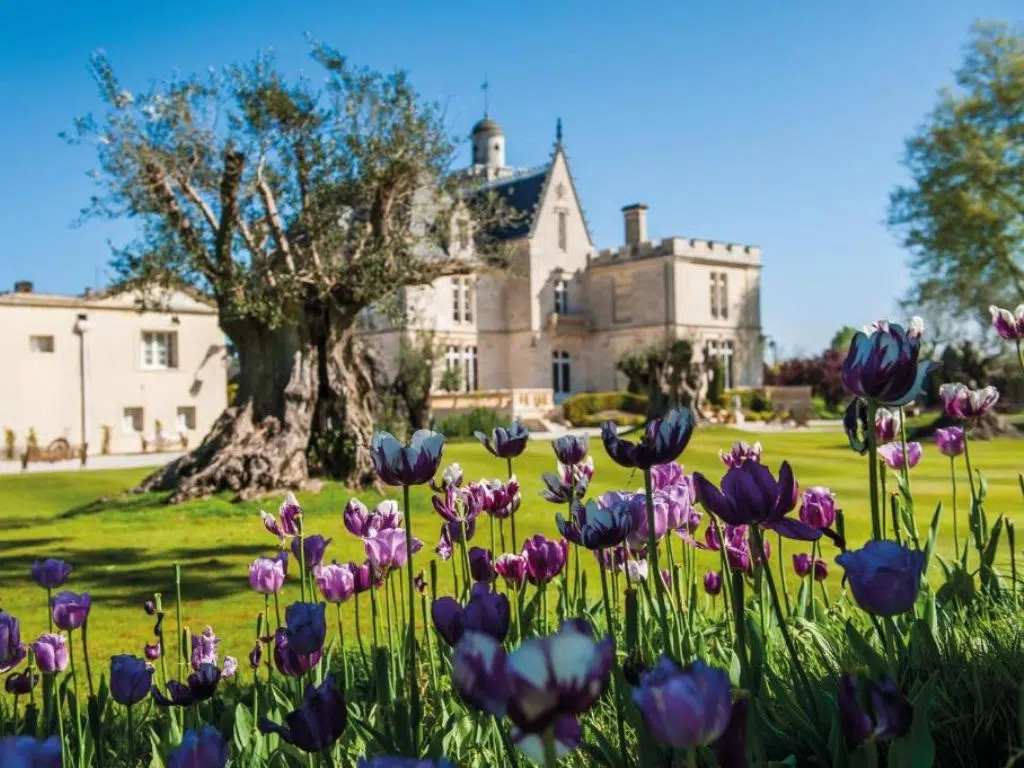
(274,219)
(234,163)
(161,187)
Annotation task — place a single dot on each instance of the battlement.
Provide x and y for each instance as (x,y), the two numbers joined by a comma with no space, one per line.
(693,248)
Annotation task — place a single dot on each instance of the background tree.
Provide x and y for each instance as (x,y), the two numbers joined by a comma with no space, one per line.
(291,207)
(962,213)
(842,338)
(415,376)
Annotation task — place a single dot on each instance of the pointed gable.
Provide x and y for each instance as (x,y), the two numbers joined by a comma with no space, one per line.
(559,174)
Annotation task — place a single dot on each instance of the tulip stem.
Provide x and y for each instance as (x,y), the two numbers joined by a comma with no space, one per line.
(885,501)
(413,683)
(430,645)
(177,611)
(550,754)
(785,583)
(956,527)
(359,637)
(49,607)
(872,441)
(691,757)
(652,545)
(619,715)
(512,516)
(974,524)
(60,715)
(739,620)
(277,610)
(77,707)
(131,736)
(341,650)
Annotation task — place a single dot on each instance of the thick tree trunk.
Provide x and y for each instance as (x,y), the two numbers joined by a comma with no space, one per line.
(304,408)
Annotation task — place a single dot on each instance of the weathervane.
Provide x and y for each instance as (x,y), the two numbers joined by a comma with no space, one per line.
(486,85)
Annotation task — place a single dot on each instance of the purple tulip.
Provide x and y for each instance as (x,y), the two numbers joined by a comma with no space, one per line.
(887,426)
(497,498)
(204,649)
(200,749)
(447,617)
(419,582)
(26,752)
(750,495)
(51,653)
(560,487)
(12,650)
(256,655)
(130,679)
(389,514)
(1009,325)
(802,566)
(870,710)
(452,475)
(21,683)
(149,607)
(414,464)
(741,451)
(731,747)
(967,404)
(306,624)
(479,672)
(444,545)
(486,612)
(481,564)
(230,668)
(335,582)
(289,513)
(950,441)
(884,576)
(458,504)
(389,761)
(317,723)
(50,573)
(387,550)
(290,662)
(362,577)
(684,708)
(506,443)
(617,557)
(712,539)
(70,610)
(738,553)
(567,733)
(893,456)
(662,442)
(884,366)
(512,568)
(201,685)
(313,547)
(635,570)
(266,576)
(358,520)
(152,651)
(570,449)
(713,582)
(544,558)
(598,525)
(818,507)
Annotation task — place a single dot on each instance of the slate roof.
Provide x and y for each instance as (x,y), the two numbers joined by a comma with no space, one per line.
(522,194)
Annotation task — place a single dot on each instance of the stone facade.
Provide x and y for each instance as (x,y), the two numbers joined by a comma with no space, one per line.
(564,313)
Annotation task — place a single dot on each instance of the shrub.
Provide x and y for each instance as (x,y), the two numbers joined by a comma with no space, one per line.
(717,385)
(578,407)
(462,425)
(105,446)
(750,400)
(9,440)
(621,418)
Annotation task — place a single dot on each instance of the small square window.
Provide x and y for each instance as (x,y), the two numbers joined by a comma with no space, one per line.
(186,421)
(131,421)
(159,350)
(41,344)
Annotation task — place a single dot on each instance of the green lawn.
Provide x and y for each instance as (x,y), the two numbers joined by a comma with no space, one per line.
(122,546)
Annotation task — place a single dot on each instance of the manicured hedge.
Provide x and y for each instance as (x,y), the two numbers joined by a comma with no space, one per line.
(461,425)
(750,399)
(578,407)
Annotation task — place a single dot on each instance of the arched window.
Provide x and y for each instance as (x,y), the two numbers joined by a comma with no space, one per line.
(561,381)
(561,297)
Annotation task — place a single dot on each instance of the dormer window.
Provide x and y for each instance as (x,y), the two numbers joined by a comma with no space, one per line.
(561,297)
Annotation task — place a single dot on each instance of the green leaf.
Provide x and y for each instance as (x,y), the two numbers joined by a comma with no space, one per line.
(933,535)
(917,748)
(865,651)
(156,761)
(243,727)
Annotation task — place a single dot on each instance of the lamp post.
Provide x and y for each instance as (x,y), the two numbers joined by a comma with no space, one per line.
(82,326)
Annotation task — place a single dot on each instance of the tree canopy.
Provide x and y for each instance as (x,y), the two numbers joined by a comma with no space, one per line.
(962,212)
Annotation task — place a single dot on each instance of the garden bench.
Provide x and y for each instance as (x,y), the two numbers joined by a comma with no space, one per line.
(58,450)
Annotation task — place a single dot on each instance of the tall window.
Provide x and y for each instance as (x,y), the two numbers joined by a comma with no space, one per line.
(456,299)
(563,231)
(561,381)
(723,352)
(42,344)
(714,294)
(159,350)
(561,298)
(469,369)
(723,295)
(462,300)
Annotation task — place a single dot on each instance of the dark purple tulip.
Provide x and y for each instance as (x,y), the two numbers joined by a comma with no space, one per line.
(256,655)
(887,426)
(200,749)
(498,498)
(149,607)
(750,495)
(447,616)
(1009,325)
(21,683)
(618,556)
(802,566)
(70,610)
(870,710)
(884,366)
(481,564)
(738,552)
(818,507)
(568,735)
(130,679)
(713,582)
(884,576)
(637,505)
(893,456)
(317,723)
(459,531)
(314,547)
(414,464)
(741,451)
(598,525)
(479,672)
(662,442)
(335,582)
(362,576)
(967,404)
(544,558)
(152,651)
(950,441)
(266,576)
(389,761)
(387,550)
(204,649)
(730,749)
(512,568)
(505,443)
(684,708)
(51,653)
(202,684)
(12,650)
(50,573)
(486,612)
(419,582)
(444,545)
(712,539)
(570,450)
(26,752)
(306,624)
(559,487)
(458,504)
(289,661)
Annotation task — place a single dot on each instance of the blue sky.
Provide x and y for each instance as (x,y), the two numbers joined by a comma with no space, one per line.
(776,124)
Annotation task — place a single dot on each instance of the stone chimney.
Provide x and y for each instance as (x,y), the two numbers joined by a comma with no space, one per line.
(23,286)
(635,217)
